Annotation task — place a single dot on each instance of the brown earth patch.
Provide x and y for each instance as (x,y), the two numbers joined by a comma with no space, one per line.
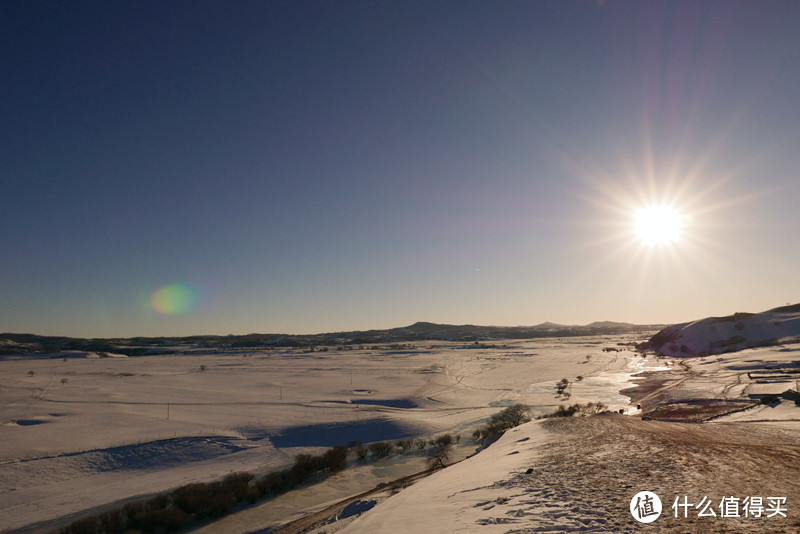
(695,410)
(593,467)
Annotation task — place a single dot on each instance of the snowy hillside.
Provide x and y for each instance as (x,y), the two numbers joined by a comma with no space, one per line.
(457,499)
(579,475)
(717,335)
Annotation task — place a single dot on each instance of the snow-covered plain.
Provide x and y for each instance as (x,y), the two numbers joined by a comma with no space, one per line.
(121,427)
(81,431)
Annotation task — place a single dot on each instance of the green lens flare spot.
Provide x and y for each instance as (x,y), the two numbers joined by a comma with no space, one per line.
(174,299)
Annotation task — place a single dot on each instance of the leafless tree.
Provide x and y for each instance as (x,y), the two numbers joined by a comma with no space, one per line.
(440,454)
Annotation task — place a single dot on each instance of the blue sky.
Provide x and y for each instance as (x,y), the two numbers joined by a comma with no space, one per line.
(306,166)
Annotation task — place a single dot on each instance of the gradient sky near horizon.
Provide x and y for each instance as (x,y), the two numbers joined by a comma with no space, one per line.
(209,167)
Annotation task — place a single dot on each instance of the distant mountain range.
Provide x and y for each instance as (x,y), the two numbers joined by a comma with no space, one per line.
(421,331)
(718,335)
(712,335)
(433,331)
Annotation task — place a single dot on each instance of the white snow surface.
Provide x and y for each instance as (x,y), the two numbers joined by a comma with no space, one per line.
(717,335)
(81,431)
(457,498)
(117,428)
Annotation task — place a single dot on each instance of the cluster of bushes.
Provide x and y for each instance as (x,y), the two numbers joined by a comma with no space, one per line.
(590,408)
(514,415)
(305,466)
(173,511)
(179,509)
(382,449)
(441,448)
(379,449)
(176,510)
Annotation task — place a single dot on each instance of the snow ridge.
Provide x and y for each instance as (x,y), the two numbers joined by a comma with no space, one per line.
(718,335)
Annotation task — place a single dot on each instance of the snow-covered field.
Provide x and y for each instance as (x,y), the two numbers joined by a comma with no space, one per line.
(736,473)
(80,431)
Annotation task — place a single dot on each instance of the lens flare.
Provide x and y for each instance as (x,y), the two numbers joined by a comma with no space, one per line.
(174,299)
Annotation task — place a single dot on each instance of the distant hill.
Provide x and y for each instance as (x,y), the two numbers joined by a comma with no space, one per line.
(717,335)
(421,331)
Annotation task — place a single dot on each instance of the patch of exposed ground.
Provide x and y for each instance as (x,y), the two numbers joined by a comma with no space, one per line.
(670,396)
(695,410)
(648,384)
(586,477)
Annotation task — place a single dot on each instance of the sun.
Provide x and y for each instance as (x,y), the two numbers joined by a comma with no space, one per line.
(658,224)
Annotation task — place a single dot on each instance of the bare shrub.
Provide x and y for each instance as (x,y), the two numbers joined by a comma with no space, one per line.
(170,519)
(335,459)
(193,499)
(380,449)
(404,444)
(262,487)
(592,408)
(443,440)
(113,521)
(277,483)
(132,509)
(87,525)
(221,504)
(304,466)
(236,485)
(562,386)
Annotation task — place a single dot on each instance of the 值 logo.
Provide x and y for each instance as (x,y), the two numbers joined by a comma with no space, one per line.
(645,507)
